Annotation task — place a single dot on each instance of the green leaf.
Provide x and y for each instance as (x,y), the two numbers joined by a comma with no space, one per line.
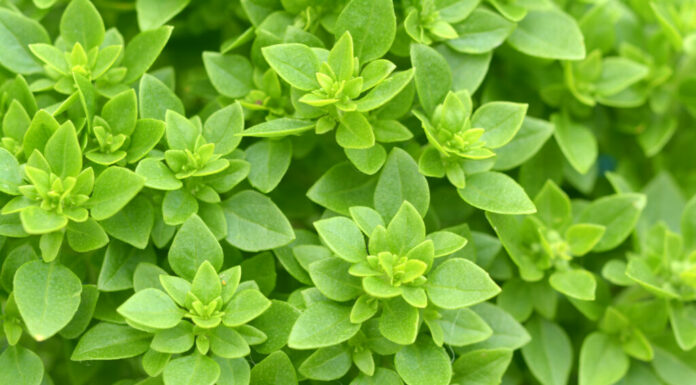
(682,317)
(83,317)
(223,127)
(81,23)
(497,193)
(120,261)
(507,332)
(423,363)
(142,51)
(343,237)
(107,341)
(296,63)
(327,364)
(458,283)
(372,24)
(671,368)
(577,142)
(320,325)
(156,98)
(617,213)
(269,160)
(399,321)
(276,323)
(36,220)
(10,173)
(178,206)
(355,131)
(255,223)
(16,33)
(582,237)
(63,152)
(231,75)
(501,121)
(86,236)
(132,224)
(151,308)
(367,160)
(20,366)
(244,307)
(275,369)
(548,33)
(194,369)
(433,76)
(278,128)
(549,355)
(343,187)
(385,91)
(113,189)
(481,32)
(400,181)
(528,141)
(331,277)
(154,13)
(481,367)
(602,361)
(47,296)
(194,244)
(178,339)
(463,327)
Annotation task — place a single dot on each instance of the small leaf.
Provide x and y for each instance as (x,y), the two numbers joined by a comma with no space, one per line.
(151,308)
(497,193)
(322,324)
(107,341)
(194,244)
(423,363)
(458,283)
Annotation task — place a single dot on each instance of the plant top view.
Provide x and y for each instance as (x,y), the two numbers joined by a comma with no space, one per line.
(347,192)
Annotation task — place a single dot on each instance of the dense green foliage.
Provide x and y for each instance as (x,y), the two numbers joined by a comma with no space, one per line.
(357,192)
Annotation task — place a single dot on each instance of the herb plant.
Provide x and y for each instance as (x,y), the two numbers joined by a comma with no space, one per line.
(357,192)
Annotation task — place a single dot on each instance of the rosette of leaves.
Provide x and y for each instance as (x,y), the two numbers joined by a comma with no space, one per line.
(86,53)
(548,243)
(400,278)
(665,266)
(459,139)
(118,136)
(188,322)
(198,164)
(211,312)
(459,23)
(332,90)
(55,195)
(612,80)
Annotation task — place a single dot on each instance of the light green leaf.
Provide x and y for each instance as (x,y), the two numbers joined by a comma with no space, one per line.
(231,75)
(107,341)
(255,223)
(152,308)
(372,24)
(549,355)
(423,363)
(322,324)
(47,296)
(548,33)
(20,366)
(194,244)
(497,193)
(602,361)
(400,181)
(458,283)
(194,369)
